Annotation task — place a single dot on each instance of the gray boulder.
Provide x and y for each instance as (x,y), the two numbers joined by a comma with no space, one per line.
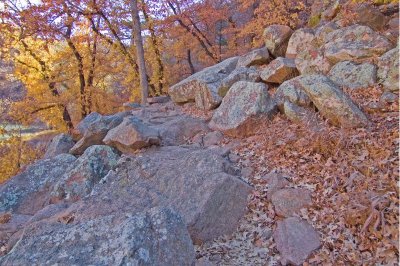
(295,240)
(312,60)
(276,39)
(289,201)
(254,58)
(243,102)
(61,143)
(279,70)
(300,40)
(331,102)
(94,128)
(292,92)
(155,237)
(132,134)
(28,192)
(239,74)
(352,75)
(388,70)
(299,114)
(203,86)
(84,174)
(198,183)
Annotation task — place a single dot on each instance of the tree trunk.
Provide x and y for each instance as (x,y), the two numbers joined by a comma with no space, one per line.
(189,59)
(139,51)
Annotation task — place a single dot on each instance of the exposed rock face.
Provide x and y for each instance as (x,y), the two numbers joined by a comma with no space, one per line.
(354,76)
(85,173)
(388,72)
(94,128)
(255,57)
(300,40)
(331,102)
(239,74)
(276,39)
(243,102)
(156,237)
(197,183)
(132,134)
(203,86)
(295,240)
(61,143)
(288,202)
(28,192)
(291,91)
(279,70)
(355,43)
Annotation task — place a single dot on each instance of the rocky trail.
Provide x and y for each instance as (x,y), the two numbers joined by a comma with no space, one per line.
(284,156)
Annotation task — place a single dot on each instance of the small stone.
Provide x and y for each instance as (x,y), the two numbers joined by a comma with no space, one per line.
(212,138)
(275,181)
(289,201)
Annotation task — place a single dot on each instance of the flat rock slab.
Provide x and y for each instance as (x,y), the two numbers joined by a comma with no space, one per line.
(155,237)
(289,201)
(295,240)
(198,183)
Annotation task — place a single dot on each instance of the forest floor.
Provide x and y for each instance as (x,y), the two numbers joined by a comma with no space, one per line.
(352,174)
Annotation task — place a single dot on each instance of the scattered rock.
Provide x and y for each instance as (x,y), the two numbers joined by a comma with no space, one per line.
(352,75)
(203,86)
(275,181)
(194,182)
(355,43)
(28,192)
(239,74)
(279,70)
(331,102)
(85,173)
(243,102)
(300,40)
(131,135)
(289,201)
(61,143)
(94,128)
(295,240)
(156,237)
(388,97)
(388,70)
(254,58)
(276,39)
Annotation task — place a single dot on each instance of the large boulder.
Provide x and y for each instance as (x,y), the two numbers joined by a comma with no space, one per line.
(388,70)
(291,91)
(132,134)
(355,43)
(198,183)
(94,128)
(254,58)
(243,102)
(276,39)
(85,173)
(295,240)
(239,74)
(203,86)
(352,75)
(312,60)
(28,192)
(61,143)
(332,102)
(279,70)
(300,40)
(155,237)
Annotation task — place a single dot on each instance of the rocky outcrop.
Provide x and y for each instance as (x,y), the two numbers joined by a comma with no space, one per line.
(131,135)
(388,70)
(29,191)
(276,39)
(254,58)
(203,86)
(352,75)
(155,237)
(243,102)
(295,240)
(85,173)
(279,70)
(94,128)
(61,143)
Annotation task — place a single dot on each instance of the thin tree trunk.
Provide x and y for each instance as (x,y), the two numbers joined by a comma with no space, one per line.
(189,59)
(139,51)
